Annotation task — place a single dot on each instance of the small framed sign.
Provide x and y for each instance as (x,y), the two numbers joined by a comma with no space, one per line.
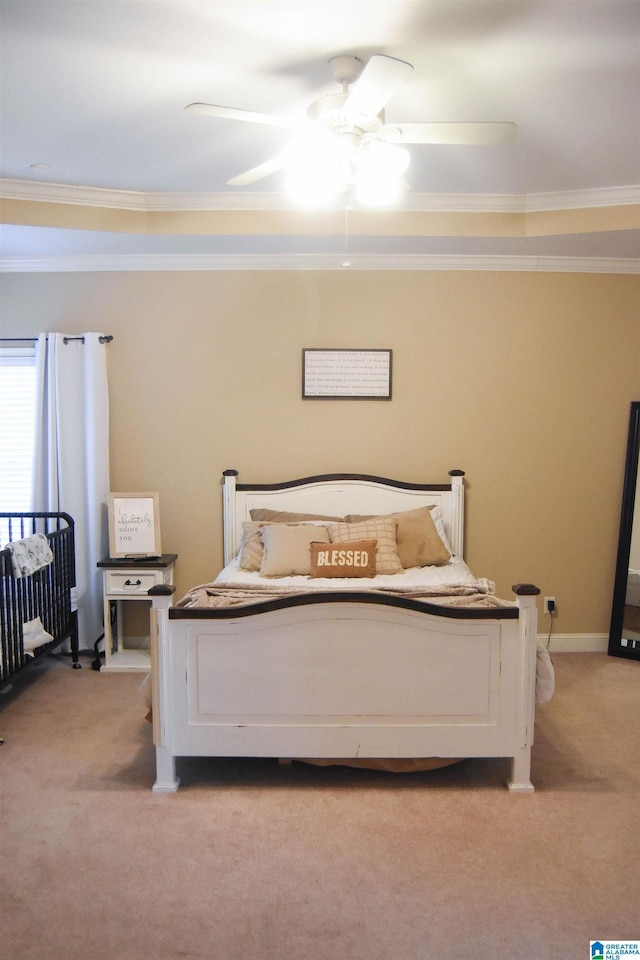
(346,374)
(134,525)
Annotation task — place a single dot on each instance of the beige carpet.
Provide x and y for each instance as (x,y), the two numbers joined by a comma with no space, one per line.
(255,861)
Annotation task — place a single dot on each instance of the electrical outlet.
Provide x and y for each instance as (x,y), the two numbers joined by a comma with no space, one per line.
(550,605)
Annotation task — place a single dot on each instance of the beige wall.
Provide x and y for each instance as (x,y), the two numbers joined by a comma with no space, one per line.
(521,379)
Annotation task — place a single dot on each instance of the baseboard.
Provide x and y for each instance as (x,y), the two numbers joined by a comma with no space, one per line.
(576,642)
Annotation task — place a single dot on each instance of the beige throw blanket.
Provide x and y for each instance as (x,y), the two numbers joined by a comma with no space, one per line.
(476,593)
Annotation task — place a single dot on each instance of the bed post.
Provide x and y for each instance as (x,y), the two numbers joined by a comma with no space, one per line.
(229,531)
(520,780)
(166,780)
(457,512)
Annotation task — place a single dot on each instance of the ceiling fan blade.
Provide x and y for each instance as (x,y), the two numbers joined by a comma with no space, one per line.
(257,173)
(463,134)
(231,113)
(376,84)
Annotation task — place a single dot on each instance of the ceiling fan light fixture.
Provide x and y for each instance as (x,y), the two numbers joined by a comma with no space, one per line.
(379,173)
(319,167)
(371,191)
(309,191)
(322,166)
(382,160)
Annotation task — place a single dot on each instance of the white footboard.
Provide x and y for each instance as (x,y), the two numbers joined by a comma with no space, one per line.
(340,678)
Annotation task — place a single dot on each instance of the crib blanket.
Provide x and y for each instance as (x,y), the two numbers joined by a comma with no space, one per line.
(30,554)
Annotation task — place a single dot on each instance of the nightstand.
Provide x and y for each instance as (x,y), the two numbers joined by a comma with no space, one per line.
(128,582)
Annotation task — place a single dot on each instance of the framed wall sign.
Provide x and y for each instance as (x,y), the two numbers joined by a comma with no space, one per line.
(346,374)
(134,525)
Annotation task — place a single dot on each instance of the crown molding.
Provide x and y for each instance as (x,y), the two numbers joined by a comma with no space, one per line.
(178,262)
(37,191)
(581,199)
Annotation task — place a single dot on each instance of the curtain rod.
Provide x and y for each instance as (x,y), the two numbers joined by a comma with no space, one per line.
(105,339)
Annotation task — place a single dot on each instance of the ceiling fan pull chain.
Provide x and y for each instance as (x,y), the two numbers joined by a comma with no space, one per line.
(346,262)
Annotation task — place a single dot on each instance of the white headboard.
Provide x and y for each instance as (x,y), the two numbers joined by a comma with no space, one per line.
(338,494)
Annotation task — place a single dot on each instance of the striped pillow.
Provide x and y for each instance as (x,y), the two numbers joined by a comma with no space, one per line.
(381,529)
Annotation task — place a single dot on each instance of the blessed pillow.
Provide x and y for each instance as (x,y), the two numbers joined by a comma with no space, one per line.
(286,516)
(355,558)
(419,543)
(381,529)
(286,548)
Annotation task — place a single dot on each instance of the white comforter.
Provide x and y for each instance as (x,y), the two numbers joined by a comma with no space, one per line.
(450,574)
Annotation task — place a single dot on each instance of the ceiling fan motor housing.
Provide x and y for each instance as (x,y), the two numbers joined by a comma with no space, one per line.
(345,69)
(332,111)
(329,111)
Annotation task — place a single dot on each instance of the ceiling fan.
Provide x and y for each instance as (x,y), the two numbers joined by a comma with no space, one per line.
(354,120)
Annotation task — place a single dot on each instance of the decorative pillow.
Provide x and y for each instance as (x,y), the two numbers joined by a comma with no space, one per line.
(284,516)
(251,547)
(436,516)
(355,558)
(286,548)
(251,551)
(419,543)
(382,529)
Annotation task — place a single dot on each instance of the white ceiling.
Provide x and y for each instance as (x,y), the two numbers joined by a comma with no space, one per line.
(95,89)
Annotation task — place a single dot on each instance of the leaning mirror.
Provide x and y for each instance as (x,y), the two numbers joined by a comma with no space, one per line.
(624,635)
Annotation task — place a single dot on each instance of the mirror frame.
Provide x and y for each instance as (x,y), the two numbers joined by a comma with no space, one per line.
(631,649)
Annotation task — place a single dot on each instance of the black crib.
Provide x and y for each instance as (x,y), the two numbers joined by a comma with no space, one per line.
(48,593)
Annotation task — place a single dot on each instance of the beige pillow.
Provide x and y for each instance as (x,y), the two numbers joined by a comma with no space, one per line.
(285,516)
(419,543)
(287,548)
(356,558)
(251,551)
(382,529)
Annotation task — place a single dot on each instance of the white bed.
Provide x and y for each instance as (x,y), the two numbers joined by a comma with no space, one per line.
(345,668)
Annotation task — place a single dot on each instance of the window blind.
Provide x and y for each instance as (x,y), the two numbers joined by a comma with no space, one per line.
(17,427)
